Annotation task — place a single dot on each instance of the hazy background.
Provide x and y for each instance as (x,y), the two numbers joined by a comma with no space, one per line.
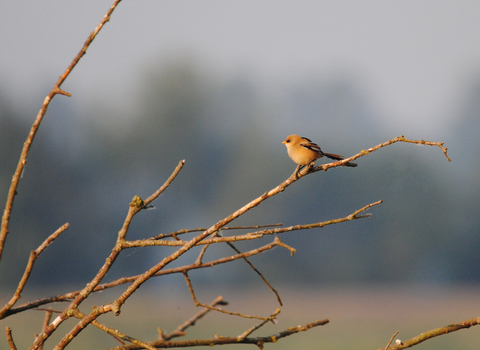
(221,84)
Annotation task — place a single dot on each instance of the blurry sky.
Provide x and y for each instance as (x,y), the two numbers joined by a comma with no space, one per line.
(414,59)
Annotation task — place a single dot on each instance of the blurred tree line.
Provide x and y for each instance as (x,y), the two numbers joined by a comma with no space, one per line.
(87,163)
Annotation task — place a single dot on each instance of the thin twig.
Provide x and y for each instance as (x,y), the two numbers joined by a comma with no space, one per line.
(183,231)
(260,341)
(254,328)
(33,131)
(113,332)
(46,321)
(199,259)
(249,236)
(10,338)
(136,205)
(435,333)
(124,280)
(257,272)
(180,330)
(256,234)
(166,184)
(324,167)
(34,254)
(197,304)
(391,339)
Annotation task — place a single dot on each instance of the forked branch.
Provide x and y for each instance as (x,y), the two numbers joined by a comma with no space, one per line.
(259,341)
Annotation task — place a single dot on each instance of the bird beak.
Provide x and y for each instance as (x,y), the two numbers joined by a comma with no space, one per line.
(284,142)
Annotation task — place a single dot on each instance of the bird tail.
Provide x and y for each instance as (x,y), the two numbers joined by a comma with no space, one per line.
(338,157)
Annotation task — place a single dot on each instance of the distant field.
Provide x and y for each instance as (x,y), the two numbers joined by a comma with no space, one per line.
(360,317)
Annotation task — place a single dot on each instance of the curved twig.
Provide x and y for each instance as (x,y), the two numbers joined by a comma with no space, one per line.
(33,256)
(435,333)
(324,167)
(33,131)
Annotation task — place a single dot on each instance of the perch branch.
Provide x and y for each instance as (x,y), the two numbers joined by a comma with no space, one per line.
(324,167)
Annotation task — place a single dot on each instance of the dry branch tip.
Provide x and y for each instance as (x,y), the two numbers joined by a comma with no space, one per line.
(10,341)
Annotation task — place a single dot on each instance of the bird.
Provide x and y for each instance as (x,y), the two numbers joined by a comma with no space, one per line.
(304,152)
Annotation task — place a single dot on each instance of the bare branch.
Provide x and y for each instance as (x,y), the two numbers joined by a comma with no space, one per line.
(124,280)
(391,339)
(84,322)
(435,333)
(257,272)
(173,234)
(180,330)
(166,184)
(254,328)
(51,238)
(197,304)
(46,321)
(230,340)
(33,131)
(254,235)
(115,333)
(33,256)
(10,338)
(138,204)
(135,206)
(324,167)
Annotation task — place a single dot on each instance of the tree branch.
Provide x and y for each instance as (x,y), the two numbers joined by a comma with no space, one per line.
(34,254)
(151,242)
(197,304)
(180,330)
(324,167)
(260,341)
(435,333)
(36,124)
(10,341)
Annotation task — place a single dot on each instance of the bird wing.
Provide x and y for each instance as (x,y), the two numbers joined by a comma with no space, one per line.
(308,144)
